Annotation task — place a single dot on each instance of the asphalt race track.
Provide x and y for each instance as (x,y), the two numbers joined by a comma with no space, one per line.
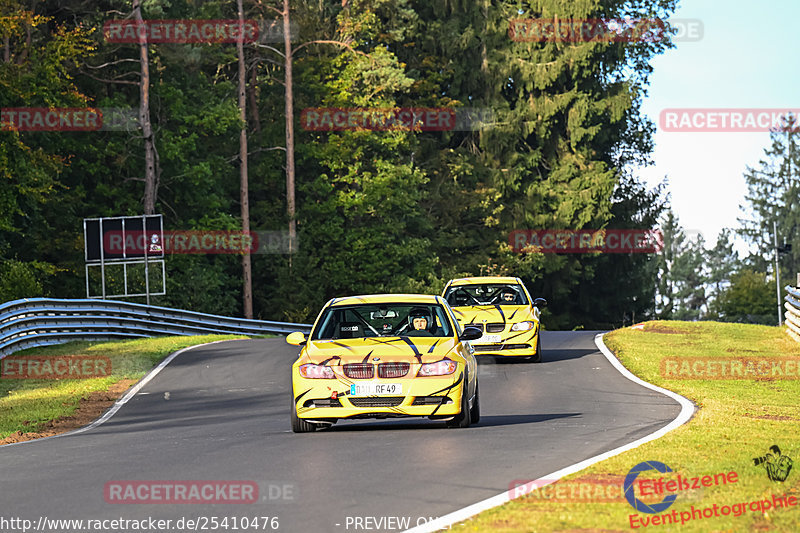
(221,412)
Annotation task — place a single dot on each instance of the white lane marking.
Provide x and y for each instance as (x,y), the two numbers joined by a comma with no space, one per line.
(687,410)
(122,401)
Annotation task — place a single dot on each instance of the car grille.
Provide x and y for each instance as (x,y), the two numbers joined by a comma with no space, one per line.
(393,370)
(359,371)
(431,400)
(495,327)
(499,347)
(377,401)
(323,402)
(479,326)
(487,347)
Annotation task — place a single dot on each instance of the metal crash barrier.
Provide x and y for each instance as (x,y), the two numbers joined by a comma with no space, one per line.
(42,321)
(792,317)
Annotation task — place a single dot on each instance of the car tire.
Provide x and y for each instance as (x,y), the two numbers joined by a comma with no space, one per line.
(475,412)
(537,357)
(298,424)
(462,419)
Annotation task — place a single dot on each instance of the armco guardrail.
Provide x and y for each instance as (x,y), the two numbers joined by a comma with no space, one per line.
(42,321)
(792,312)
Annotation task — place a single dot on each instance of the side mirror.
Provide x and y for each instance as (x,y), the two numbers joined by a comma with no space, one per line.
(470,334)
(298,338)
(540,302)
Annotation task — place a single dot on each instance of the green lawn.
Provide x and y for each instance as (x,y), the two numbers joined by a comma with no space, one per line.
(737,420)
(27,404)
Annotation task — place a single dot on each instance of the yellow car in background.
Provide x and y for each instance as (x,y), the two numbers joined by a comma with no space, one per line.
(504,312)
(380,356)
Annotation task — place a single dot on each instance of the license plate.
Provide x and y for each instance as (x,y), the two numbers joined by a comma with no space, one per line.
(376,389)
(490,339)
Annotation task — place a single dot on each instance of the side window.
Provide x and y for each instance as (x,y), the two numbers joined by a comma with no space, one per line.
(441,321)
(454,322)
(327,329)
(524,294)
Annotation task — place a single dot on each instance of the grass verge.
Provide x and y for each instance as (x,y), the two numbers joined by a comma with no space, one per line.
(737,421)
(39,407)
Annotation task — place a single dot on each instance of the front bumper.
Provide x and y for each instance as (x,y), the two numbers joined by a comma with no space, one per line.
(512,344)
(428,396)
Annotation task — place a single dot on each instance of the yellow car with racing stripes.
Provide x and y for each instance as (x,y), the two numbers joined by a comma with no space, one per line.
(503,310)
(381,356)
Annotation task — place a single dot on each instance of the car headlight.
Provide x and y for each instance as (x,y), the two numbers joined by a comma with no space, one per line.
(523,326)
(439,368)
(312,371)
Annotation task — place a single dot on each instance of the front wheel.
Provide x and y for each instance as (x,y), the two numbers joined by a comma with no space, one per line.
(475,412)
(537,357)
(462,419)
(298,424)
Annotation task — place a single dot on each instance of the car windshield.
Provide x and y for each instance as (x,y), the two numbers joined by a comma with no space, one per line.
(383,320)
(486,294)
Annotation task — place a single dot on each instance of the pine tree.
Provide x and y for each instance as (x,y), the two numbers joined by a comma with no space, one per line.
(774,197)
(690,275)
(722,262)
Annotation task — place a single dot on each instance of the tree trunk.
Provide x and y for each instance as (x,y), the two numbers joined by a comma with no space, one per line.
(24,55)
(287,41)
(150,175)
(247,275)
(254,99)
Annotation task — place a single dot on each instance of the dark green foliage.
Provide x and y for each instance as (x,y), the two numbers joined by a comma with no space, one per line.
(750,298)
(773,193)
(376,211)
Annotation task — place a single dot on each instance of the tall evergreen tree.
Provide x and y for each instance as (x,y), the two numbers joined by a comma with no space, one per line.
(674,238)
(690,275)
(774,197)
(620,289)
(722,261)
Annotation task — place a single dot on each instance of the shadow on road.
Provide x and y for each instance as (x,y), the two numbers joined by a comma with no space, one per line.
(513,420)
(486,421)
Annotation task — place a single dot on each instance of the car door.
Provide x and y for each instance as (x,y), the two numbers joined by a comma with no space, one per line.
(465,349)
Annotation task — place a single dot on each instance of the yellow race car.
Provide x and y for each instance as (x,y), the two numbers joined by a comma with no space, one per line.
(504,312)
(380,356)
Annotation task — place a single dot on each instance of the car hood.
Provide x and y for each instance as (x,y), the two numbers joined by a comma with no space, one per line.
(493,313)
(388,349)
